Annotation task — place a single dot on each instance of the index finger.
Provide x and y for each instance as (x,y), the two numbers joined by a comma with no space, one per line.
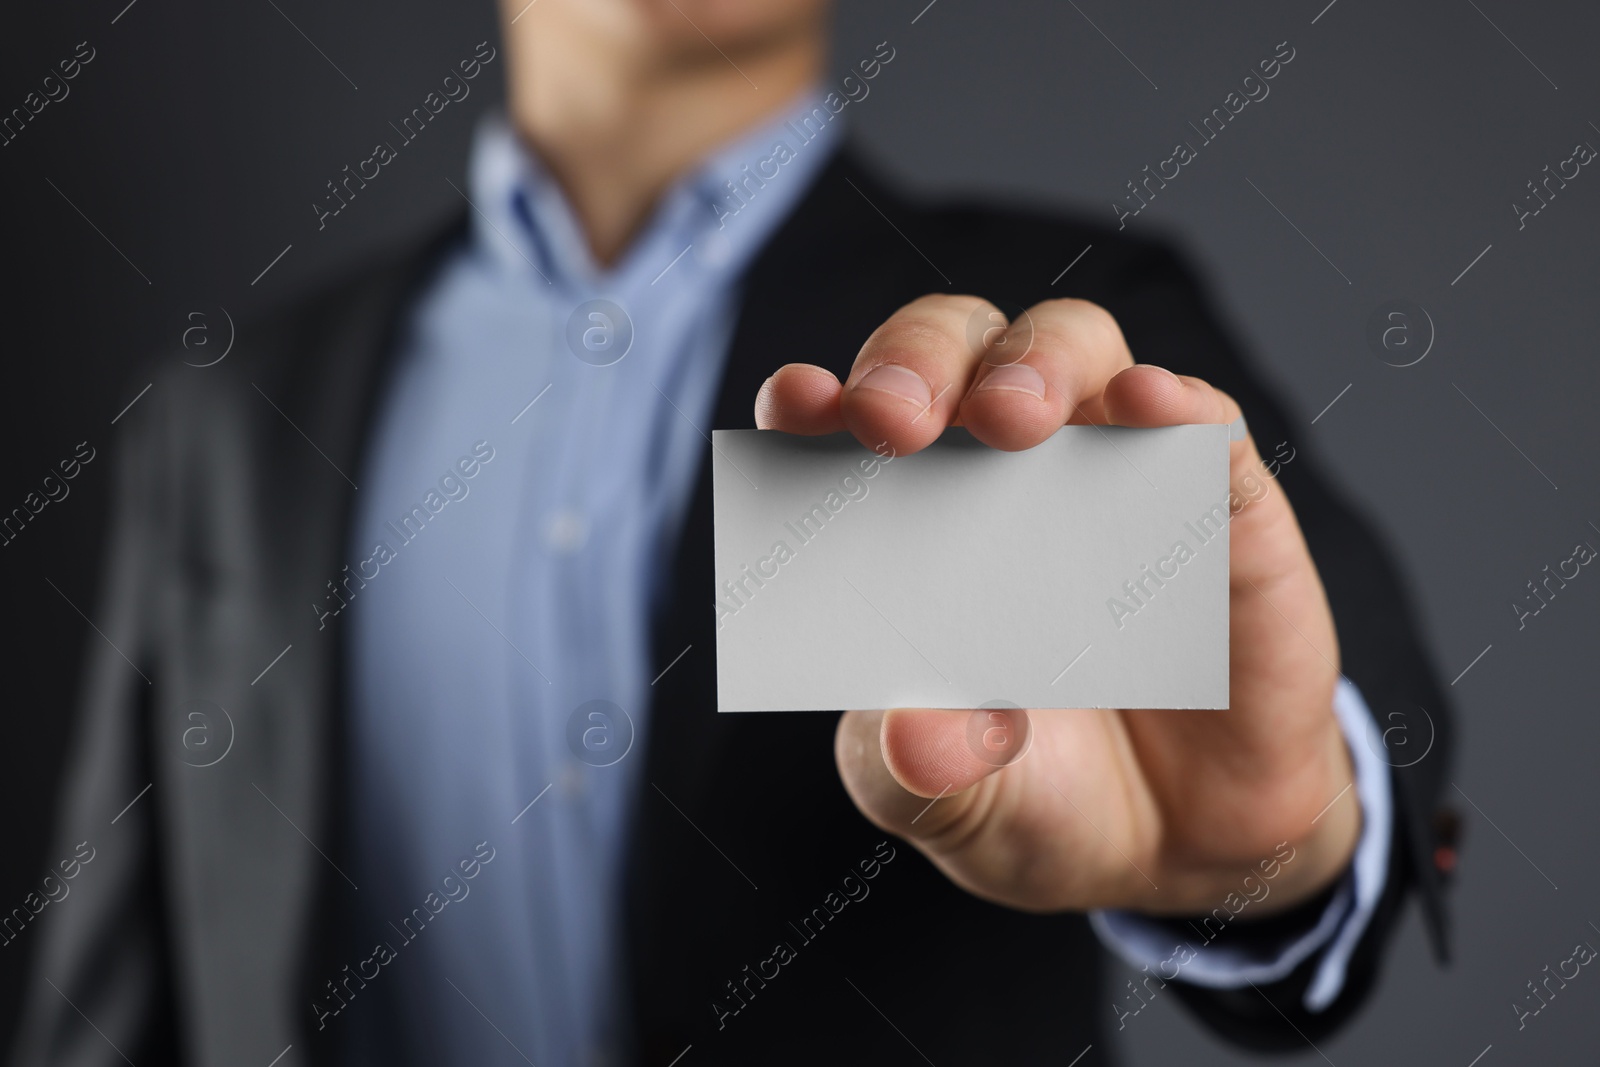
(910,375)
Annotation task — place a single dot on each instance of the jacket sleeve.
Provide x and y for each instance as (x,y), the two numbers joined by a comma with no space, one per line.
(96,991)
(1167,319)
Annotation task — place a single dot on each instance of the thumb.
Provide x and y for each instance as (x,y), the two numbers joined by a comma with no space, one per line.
(895,764)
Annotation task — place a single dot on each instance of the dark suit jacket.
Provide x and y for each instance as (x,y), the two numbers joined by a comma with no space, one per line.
(211,915)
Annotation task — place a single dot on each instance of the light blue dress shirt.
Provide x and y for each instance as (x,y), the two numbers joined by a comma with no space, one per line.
(580,397)
(533,457)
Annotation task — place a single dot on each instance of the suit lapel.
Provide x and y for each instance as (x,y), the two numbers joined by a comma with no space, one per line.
(331,377)
(813,295)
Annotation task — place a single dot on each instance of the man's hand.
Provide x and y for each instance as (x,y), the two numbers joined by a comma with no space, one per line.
(1160,811)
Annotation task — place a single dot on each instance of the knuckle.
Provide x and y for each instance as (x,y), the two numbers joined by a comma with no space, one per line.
(909,332)
(1102,326)
(949,303)
(1083,324)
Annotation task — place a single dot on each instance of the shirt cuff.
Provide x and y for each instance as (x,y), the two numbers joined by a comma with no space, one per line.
(1232,963)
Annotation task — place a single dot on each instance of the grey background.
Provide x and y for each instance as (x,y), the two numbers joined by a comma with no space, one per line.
(1396,141)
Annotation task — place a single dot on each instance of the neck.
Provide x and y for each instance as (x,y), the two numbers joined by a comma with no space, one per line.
(616,126)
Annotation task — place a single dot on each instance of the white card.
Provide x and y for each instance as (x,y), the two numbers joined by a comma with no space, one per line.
(1088,572)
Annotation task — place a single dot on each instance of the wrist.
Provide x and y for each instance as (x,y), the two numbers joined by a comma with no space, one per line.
(1295,859)
(1323,854)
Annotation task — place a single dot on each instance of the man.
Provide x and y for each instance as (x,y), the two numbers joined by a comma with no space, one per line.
(479,808)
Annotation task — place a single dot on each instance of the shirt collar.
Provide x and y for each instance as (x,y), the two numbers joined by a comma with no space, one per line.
(718,216)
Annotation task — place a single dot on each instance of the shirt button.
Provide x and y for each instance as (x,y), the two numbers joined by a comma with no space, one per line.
(566,531)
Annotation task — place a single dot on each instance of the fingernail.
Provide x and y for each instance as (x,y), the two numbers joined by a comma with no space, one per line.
(1165,371)
(1017,377)
(899,381)
(1237,430)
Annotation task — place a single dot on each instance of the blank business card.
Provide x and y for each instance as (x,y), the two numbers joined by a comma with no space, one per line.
(1088,572)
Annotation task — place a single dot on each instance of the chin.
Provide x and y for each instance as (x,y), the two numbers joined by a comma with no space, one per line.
(734,25)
